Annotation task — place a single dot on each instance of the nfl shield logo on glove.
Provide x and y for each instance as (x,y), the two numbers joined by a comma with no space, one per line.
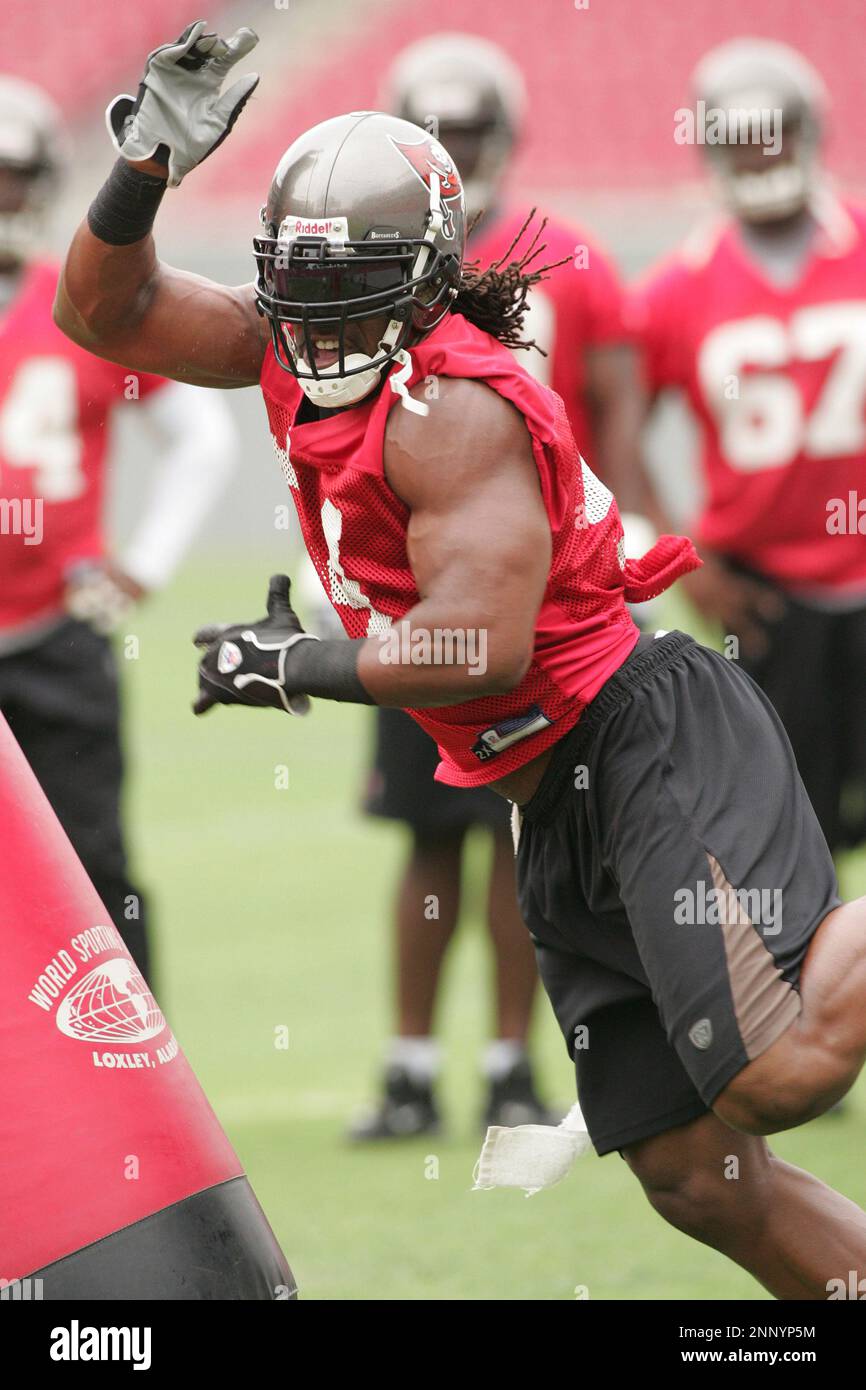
(230,658)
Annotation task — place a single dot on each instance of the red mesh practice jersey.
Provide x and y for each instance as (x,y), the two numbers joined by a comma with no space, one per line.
(777,379)
(577,307)
(354,527)
(55,400)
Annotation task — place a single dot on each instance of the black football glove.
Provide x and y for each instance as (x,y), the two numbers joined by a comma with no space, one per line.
(245,663)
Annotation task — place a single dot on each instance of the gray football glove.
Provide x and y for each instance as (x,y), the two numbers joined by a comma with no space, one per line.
(179,117)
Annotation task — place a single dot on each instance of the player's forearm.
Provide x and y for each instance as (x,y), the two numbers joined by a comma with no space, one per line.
(618,423)
(426,659)
(111,270)
(432,658)
(616,404)
(639,502)
(650,505)
(651,501)
(408,667)
(616,458)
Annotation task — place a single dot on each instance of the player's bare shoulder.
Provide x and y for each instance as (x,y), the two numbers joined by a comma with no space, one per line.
(467,433)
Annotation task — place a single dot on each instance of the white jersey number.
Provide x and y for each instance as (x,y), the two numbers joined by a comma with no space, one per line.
(343,592)
(761,419)
(39,427)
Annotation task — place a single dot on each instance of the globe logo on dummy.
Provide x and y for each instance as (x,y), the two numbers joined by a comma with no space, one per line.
(111,1004)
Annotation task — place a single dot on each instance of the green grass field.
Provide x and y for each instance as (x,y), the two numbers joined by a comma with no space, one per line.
(272,910)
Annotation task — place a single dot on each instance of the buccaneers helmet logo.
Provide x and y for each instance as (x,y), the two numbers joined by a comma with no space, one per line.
(427,156)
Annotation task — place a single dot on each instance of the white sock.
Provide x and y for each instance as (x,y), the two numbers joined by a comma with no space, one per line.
(420,1057)
(500,1056)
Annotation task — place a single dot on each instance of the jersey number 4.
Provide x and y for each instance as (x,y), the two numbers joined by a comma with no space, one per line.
(39,427)
(761,417)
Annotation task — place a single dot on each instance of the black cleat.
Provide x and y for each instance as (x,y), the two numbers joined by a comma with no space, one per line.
(406,1111)
(513,1100)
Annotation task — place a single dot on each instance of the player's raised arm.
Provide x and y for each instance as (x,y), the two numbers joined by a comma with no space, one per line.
(115,297)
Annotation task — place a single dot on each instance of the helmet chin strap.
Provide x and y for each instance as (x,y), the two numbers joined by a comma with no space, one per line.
(333,391)
(397,382)
(339,391)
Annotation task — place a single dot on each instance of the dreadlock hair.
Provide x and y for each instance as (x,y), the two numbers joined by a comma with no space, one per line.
(495,299)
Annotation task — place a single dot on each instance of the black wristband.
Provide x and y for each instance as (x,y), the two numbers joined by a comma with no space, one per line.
(328,670)
(126,205)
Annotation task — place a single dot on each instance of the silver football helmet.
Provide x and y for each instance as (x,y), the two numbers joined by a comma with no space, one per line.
(30,148)
(364,220)
(470,93)
(749,81)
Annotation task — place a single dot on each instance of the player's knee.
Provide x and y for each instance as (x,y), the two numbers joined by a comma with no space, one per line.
(701,1202)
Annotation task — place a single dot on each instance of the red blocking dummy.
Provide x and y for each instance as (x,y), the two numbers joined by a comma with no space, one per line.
(104,1128)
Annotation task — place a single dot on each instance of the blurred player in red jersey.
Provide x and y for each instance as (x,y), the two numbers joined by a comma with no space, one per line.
(761,321)
(471,94)
(479,570)
(61,593)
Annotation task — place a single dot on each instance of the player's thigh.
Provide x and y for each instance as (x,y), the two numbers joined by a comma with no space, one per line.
(630,1081)
(721,865)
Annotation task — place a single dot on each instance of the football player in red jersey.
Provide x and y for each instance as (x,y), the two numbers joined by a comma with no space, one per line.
(471,94)
(761,321)
(61,592)
(479,571)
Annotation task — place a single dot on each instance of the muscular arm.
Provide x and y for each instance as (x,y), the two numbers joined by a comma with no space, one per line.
(478,540)
(122,303)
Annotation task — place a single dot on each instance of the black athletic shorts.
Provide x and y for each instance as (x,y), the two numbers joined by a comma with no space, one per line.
(400,784)
(672,873)
(814,672)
